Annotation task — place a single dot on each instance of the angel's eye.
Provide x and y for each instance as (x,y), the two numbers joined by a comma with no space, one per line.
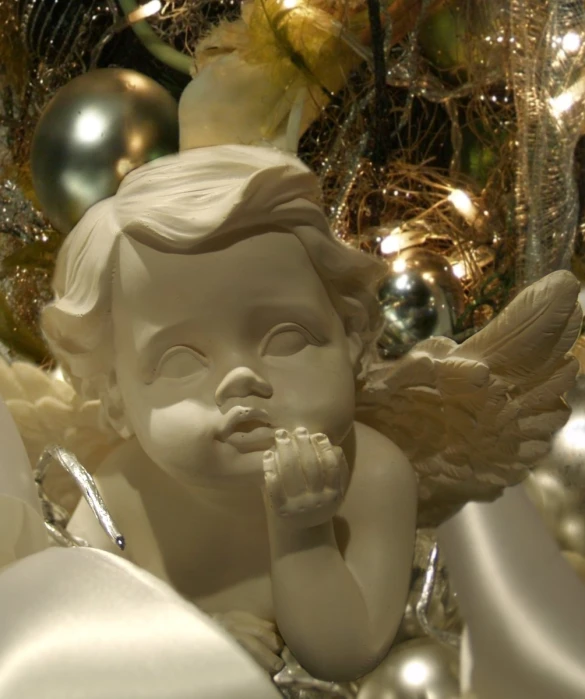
(286,340)
(179,363)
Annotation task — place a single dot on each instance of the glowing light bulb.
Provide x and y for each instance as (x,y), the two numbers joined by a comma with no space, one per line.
(391,243)
(571,42)
(462,202)
(144,11)
(399,266)
(459,270)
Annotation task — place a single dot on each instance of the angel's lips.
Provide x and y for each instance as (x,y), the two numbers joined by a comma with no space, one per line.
(247,430)
(257,439)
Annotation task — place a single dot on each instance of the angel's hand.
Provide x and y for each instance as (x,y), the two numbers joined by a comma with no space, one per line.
(255,635)
(305,478)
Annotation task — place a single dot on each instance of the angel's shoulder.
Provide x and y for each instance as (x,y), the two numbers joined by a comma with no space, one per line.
(378,459)
(383,488)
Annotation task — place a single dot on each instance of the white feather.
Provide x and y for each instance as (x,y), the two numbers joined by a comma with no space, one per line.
(473,418)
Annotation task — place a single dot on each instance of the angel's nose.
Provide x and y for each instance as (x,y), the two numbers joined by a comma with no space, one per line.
(240,383)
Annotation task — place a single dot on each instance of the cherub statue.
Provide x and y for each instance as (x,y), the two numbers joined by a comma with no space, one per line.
(270,467)
(227,334)
(223,329)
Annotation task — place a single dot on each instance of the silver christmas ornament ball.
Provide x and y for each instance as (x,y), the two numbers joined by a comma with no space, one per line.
(420,297)
(567,453)
(420,669)
(557,485)
(96,129)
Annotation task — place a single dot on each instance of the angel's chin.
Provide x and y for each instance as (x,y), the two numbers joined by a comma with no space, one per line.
(233,469)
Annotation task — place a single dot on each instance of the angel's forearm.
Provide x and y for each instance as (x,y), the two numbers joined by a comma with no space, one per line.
(320,609)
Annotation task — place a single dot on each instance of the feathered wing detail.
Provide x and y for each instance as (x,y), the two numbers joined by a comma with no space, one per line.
(47,410)
(473,418)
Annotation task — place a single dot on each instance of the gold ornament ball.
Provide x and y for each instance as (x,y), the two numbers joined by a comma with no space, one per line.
(94,131)
(420,669)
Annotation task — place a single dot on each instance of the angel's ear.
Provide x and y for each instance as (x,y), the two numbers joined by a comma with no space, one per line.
(114,409)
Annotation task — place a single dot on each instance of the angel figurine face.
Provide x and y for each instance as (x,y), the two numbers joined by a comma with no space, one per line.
(216,333)
(217,350)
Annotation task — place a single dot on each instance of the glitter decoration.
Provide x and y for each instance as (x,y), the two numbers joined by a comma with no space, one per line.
(431,608)
(295,683)
(28,248)
(423,606)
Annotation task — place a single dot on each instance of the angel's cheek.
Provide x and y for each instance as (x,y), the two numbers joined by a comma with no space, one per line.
(177,437)
(320,399)
(182,440)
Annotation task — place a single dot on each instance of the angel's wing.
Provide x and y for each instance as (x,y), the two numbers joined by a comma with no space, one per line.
(47,410)
(473,418)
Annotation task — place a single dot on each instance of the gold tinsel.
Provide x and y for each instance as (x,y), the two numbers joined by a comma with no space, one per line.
(13,53)
(14,77)
(28,244)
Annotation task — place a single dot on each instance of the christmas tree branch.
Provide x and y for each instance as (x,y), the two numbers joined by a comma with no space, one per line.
(157,47)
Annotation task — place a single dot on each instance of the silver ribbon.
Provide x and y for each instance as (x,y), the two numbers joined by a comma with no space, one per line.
(56,518)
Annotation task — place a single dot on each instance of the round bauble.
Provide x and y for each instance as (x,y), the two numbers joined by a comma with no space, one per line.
(551,494)
(557,486)
(420,669)
(567,452)
(571,531)
(96,129)
(420,297)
